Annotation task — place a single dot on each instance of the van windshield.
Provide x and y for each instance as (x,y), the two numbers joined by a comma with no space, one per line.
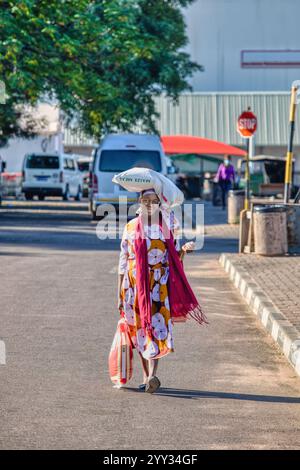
(42,162)
(121,160)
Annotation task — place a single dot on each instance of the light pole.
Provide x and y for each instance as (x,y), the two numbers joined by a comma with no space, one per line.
(289,154)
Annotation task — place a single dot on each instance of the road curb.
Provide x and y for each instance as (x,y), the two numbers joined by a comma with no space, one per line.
(282,331)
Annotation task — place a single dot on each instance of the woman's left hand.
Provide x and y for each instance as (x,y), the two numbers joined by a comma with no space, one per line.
(188,247)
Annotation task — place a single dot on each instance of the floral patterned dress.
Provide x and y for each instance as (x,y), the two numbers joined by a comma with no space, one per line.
(162,326)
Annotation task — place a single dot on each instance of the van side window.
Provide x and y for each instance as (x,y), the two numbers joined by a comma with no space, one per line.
(71,164)
(65,164)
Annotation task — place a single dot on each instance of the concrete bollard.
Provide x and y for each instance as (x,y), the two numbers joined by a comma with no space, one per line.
(236,201)
(270,230)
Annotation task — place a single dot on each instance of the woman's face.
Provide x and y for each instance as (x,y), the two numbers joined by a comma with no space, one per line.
(149,203)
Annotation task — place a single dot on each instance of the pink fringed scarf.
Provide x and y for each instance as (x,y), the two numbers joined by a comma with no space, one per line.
(183,302)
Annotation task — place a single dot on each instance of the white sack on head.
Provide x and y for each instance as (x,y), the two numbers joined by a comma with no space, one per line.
(138,179)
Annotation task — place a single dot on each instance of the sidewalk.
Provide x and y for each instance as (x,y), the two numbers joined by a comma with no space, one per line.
(269,285)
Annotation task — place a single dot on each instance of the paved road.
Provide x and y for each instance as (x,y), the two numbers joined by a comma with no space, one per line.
(225,387)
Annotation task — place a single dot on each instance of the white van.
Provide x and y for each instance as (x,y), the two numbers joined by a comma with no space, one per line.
(119,152)
(51,175)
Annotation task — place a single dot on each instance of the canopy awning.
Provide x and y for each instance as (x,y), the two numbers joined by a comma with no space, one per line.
(179,144)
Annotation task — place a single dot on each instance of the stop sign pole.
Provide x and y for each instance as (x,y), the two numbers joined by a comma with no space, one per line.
(246,126)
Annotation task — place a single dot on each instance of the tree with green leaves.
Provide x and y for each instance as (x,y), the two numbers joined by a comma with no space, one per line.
(102,61)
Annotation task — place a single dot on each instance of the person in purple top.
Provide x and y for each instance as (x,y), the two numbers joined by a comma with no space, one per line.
(225,177)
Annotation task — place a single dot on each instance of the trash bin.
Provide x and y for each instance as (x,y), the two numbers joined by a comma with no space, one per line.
(236,202)
(194,186)
(270,230)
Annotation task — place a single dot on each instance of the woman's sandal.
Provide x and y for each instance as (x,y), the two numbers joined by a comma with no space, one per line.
(152,385)
(143,385)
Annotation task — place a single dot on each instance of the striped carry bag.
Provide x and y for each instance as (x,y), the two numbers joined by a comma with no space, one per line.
(120,356)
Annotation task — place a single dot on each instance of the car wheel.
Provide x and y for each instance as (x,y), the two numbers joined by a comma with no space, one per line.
(28,197)
(41,197)
(66,196)
(79,194)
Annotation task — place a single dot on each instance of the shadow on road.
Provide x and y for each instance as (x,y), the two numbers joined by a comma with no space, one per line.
(195,394)
(219,245)
(29,254)
(54,225)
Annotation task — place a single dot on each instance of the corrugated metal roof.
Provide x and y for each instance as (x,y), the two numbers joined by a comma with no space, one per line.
(214,116)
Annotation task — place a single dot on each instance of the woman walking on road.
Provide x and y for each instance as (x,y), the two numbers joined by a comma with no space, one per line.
(153,290)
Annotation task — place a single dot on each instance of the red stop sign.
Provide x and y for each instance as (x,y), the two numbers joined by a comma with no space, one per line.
(247,124)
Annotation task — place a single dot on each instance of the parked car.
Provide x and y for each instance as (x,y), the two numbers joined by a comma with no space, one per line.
(84,165)
(51,175)
(116,153)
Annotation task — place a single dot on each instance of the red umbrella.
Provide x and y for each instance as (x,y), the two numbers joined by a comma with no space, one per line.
(177,144)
